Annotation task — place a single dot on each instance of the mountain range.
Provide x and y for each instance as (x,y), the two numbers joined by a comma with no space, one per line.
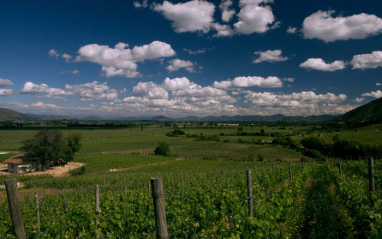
(371,112)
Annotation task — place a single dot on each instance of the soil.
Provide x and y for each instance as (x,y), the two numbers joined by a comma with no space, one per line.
(57,171)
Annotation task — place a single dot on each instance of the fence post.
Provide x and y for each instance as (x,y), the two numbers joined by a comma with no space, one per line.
(37,212)
(97,207)
(14,207)
(249,184)
(159,207)
(371,182)
(290,172)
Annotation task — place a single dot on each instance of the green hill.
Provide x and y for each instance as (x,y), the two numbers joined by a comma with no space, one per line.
(369,113)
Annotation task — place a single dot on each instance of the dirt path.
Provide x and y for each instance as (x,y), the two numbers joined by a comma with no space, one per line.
(57,171)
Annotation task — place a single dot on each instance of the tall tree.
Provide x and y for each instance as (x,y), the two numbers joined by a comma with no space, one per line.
(50,146)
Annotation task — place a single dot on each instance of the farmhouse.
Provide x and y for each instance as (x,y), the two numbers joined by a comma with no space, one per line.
(17,165)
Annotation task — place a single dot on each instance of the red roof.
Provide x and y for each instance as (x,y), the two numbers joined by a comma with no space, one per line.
(17,159)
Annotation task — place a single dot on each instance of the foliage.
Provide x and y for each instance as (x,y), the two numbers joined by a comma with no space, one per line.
(46,146)
(175,133)
(162,149)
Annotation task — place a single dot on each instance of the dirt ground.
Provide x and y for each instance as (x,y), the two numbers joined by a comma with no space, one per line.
(57,171)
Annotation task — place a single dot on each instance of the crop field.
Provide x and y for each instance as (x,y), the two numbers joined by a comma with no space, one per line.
(205,183)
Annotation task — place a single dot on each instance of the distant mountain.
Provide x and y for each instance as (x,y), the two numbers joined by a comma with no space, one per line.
(7,114)
(369,113)
(91,118)
(161,118)
(258,118)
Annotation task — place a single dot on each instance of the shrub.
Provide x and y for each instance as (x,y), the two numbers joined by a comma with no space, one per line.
(260,158)
(162,149)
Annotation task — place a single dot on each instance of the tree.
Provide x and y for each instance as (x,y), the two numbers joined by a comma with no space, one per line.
(50,146)
(162,149)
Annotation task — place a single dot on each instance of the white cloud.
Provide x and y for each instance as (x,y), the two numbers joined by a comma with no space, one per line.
(323,26)
(93,91)
(288,79)
(53,53)
(176,83)
(375,94)
(254,16)
(269,56)
(200,51)
(223,30)
(41,105)
(190,16)
(227,11)
(319,64)
(140,5)
(67,57)
(291,30)
(5,83)
(150,90)
(365,61)
(54,93)
(176,64)
(359,100)
(122,61)
(302,99)
(6,92)
(249,81)
(378,84)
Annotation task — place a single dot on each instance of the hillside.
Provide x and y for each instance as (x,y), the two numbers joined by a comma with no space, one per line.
(7,114)
(369,113)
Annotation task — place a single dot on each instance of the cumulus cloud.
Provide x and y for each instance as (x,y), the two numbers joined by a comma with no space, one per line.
(223,30)
(150,90)
(190,16)
(142,4)
(41,105)
(6,92)
(291,30)
(53,53)
(249,81)
(227,11)
(375,94)
(378,84)
(320,65)
(323,26)
(176,64)
(255,16)
(5,83)
(177,83)
(54,93)
(359,100)
(302,99)
(269,56)
(67,57)
(93,91)
(120,60)
(365,61)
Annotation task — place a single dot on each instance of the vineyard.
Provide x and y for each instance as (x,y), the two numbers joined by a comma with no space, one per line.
(289,201)
(238,186)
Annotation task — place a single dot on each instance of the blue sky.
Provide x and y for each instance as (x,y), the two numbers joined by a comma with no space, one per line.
(179,58)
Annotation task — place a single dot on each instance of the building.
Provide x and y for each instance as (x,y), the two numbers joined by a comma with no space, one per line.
(17,165)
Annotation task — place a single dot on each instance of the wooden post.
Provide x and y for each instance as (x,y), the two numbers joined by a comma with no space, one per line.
(159,207)
(371,182)
(97,207)
(37,212)
(290,172)
(249,184)
(149,189)
(14,207)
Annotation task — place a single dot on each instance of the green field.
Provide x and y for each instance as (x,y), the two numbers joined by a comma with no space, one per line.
(205,185)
